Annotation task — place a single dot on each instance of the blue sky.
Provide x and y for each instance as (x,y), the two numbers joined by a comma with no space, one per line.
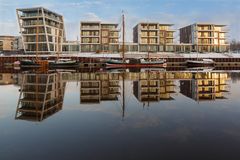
(178,12)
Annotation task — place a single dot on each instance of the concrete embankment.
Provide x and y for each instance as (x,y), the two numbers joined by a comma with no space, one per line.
(173,60)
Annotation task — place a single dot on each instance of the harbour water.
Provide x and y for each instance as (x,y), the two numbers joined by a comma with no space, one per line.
(120,115)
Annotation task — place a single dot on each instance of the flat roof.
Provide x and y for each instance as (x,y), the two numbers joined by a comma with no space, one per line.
(215,24)
(164,24)
(98,22)
(35,8)
(148,23)
(116,24)
(156,23)
(219,25)
(90,21)
(7,37)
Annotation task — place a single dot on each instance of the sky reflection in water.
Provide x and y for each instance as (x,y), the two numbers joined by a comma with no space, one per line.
(183,121)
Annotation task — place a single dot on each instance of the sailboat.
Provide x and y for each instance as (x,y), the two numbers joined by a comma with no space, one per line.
(134,63)
(200,62)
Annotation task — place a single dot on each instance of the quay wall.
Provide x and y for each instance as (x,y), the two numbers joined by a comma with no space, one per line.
(97,61)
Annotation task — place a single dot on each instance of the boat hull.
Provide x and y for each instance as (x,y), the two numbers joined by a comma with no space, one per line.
(29,64)
(136,63)
(200,64)
(64,65)
(203,69)
(124,65)
(73,65)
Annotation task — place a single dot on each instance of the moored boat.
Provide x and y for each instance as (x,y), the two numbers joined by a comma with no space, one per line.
(135,63)
(202,69)
(63,63)
(28,63)
(200,63)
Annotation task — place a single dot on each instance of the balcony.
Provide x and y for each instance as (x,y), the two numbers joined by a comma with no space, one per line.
(149,28)
(33,31)
(114,35)
(206,36)
(90,35)
(205,28)
(53,17)
(30,15)
(90,28)
(32,23)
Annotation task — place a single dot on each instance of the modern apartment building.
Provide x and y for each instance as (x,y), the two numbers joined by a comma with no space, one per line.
(10,43)
(7,43)
(99,37)
(42,30)
(154,37)
(205,37)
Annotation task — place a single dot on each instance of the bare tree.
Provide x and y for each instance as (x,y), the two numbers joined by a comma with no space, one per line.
(235,46)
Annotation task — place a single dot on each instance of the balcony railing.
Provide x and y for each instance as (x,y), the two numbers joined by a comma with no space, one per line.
(32,23)
(51,16)
(30,15)
(90,27)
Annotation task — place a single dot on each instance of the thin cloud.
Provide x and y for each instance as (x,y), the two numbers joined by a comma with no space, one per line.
(90,16)
(178,12)
(84,4)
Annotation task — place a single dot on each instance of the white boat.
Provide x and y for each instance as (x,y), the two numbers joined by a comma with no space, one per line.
(200,63)
(202,69)
(135,63)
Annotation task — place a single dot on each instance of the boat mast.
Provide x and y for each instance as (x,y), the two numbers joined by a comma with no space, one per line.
(148,40)
(123,38)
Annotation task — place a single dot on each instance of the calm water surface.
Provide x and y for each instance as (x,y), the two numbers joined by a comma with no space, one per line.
(147,115)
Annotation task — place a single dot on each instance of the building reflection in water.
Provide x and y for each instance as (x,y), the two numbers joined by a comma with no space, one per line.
(7,78)
(150,86)
(99,87)
(154,86)
(205,86)
(41,95)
